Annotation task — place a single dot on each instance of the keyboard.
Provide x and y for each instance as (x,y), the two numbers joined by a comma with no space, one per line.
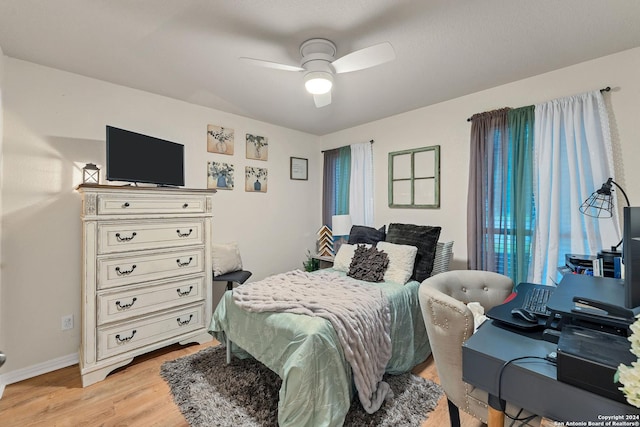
(536,299)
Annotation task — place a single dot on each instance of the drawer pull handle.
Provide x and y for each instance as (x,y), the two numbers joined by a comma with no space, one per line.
(184,234)
(184,264)
(183,293)
(125,238)
(184,322)
(125,339)
(125,272)
(185,206)
(125,306)
(126,205)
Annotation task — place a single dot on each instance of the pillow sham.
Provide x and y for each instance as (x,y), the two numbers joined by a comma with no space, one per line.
(364,234)
(368,264)
(401,260)
(226,258)
(423,237)
(342,260)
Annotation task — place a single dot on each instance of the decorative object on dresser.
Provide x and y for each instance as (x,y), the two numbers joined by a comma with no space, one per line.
(90,174)
(146,273)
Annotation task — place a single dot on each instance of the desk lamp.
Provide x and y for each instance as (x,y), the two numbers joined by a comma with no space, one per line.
(600,205)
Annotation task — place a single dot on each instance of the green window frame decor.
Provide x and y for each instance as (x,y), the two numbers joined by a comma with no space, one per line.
(414,178)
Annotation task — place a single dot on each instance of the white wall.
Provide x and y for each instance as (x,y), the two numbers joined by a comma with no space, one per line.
(54,124)
(445,124)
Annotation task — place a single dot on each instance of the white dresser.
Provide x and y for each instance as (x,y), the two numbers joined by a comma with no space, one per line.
(146,273)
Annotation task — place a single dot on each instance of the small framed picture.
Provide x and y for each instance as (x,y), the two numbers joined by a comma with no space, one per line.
(299,168)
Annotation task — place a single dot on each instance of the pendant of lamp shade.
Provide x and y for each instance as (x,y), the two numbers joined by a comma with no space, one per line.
(600,205)
(318,82)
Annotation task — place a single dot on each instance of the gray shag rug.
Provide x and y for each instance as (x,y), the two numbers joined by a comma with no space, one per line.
(245,393)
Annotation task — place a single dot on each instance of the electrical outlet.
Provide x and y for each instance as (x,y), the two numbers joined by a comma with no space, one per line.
(67,322)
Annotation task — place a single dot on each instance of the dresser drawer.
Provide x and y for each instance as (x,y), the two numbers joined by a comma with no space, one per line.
(131,205)
(129,336)
(129,236)
(117,271)
(120,305)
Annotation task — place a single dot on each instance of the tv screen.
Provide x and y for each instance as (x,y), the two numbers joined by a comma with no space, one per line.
(133,157)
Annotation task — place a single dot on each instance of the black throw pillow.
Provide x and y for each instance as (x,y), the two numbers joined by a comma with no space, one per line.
(423,237)
(368,264)
(364,234)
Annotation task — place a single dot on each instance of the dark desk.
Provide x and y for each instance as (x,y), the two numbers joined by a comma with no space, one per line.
(529,383)
(604,289)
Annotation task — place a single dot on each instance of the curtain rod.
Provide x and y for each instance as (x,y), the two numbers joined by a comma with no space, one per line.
(606,89)
(371,141)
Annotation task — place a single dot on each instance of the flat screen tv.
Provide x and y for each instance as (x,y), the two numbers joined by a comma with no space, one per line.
(137,158)
(631,256)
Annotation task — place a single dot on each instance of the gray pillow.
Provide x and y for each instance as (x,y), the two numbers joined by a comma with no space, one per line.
(368,264)
(364,234)
(423,237)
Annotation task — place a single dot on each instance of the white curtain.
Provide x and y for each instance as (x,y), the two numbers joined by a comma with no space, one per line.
(361,184)
(573,158)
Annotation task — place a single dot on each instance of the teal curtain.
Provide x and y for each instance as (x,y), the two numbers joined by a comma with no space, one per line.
(343,176)
(335,183)
(501,211)
(521,204)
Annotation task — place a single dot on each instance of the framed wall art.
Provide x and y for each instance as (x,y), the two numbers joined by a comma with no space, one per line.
(299,168)
(220,176)
(414,178)
(257,147)
(255,179)
(220,140)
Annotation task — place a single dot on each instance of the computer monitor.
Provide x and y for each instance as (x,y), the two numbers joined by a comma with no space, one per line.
(631,256)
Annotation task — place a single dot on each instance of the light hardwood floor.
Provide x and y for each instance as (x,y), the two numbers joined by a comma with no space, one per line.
(134,395)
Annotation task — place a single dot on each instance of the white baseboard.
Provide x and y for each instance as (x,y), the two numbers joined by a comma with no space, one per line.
(35,370)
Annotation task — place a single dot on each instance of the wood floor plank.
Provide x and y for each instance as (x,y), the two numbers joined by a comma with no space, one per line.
(134,395)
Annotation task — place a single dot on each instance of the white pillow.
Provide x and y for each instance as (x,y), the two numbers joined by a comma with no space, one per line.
(401,260)
(343,258)
(478,314)
(226,258)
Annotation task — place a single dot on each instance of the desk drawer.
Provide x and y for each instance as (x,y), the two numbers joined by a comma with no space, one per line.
(132,205)
(129,336)
(121,271)
(121,305)
(129,236)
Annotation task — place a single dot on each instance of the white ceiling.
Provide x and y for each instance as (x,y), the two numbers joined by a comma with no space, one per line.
(189,49)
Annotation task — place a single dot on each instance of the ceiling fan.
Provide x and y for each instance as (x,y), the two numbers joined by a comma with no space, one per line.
(320,65)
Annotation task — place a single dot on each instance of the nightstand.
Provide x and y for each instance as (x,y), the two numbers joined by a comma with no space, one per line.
(324,261)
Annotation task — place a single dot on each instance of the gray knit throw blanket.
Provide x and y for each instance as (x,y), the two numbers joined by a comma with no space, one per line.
(358,312)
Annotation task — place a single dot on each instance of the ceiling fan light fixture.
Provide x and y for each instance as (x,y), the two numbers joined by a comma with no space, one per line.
(318,82)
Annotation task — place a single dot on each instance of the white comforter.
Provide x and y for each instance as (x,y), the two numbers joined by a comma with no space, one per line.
(358,313)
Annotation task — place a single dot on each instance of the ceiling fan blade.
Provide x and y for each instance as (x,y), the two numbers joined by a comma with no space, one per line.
(365,58)
(269,64)
(322,100)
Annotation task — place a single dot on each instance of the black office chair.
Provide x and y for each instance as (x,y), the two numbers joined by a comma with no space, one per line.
(239,277)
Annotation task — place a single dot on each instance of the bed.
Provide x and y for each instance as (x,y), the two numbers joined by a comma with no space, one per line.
(305,351)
